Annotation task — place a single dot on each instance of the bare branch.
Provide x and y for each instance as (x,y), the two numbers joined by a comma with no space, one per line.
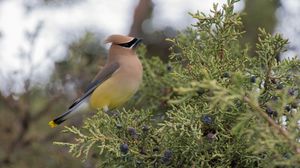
(140,14)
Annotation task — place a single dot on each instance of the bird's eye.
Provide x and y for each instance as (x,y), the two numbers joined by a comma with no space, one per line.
(129,44)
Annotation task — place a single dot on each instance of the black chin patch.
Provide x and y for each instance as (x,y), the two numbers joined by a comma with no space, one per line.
(129,44)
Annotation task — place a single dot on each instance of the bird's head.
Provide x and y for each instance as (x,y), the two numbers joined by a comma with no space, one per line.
(123,41)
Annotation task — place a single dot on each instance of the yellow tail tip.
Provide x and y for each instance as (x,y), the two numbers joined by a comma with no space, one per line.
(52,124)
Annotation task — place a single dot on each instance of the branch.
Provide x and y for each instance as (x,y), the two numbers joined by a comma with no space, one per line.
(281,131)
(10,103)
(140,14)
(24,123)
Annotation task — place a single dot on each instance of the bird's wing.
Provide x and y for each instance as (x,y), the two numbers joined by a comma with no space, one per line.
(98,80)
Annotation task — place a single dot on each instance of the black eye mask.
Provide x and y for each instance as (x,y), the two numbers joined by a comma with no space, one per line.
(129,44)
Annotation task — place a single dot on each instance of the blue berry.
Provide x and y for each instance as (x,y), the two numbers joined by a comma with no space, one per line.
(166,159)
(211,136)
(226,75)
(252,79)
(200,91)
(271,113)
(168,154)
(119,126)
(169,67)
(274,98)
(132,132)
(291,92)
(124,148)
(287,108)
(279,86)
(145,128)
(207,119)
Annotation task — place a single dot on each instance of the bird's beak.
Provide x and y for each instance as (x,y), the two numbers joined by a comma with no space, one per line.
(138,41)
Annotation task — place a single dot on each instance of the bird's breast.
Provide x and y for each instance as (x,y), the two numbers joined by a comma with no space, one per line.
(119,88)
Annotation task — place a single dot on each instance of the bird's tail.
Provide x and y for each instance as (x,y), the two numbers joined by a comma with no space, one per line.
(60,119)
(82,106)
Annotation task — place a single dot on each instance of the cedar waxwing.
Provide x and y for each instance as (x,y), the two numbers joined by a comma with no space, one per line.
(116,83)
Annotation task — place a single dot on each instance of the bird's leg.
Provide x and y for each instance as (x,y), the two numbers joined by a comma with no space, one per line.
(106,109)
(110,112)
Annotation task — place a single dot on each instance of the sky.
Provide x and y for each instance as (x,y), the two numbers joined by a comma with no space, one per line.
(288,24)
(57,25)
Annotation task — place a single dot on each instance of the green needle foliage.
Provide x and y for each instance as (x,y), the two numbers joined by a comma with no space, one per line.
(213,105)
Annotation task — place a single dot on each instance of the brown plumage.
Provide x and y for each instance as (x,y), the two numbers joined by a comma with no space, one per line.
(115,84)
(118,39)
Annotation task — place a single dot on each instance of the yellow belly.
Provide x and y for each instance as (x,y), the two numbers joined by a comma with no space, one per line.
(111,93)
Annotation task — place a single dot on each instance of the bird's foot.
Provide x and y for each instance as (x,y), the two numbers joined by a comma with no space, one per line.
(113,113)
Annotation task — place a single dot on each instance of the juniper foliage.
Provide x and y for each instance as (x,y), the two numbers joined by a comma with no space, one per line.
(213,105)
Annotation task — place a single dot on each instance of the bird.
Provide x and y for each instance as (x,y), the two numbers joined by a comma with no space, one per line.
(115,83)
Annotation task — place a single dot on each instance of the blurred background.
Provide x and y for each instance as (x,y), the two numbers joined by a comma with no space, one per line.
(51,49)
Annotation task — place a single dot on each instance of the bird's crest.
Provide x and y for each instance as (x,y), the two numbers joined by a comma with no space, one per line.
(118,39)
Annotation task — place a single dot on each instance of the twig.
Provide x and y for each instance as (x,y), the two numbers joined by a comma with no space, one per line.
(141,13)
(24,121)
(10,103)
(281,131)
